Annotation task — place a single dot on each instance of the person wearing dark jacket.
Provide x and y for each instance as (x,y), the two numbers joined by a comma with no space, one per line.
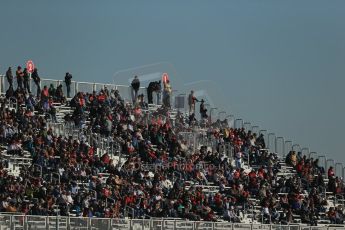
(203,110)
(9,77)
(19,76)
(154,86)
(37,81)
(135,88)
(68,81)
(26,78)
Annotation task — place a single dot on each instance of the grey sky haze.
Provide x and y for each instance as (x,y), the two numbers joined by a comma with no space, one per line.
(278,64)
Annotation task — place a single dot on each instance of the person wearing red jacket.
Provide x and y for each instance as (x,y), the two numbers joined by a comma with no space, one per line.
(330,172)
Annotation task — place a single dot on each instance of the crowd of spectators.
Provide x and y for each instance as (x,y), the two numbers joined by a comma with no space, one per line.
(161,177)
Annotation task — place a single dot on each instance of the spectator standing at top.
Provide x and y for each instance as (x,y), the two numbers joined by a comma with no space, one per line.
(37,81)
(9,77)
(68,81)
(158,92)
(203,110)
(135,88)
(19,76)
(154,86)
(26,78)
(191,102)
(166,94)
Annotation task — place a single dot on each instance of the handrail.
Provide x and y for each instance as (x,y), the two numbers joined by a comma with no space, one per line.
(336,168)
(247,126)
(311,155)
(255,127)
(286,145)
(283,145)
(296,145)
(305,148)
(269,142)
(241,123)
(325,161)
(116,223)
(328,165)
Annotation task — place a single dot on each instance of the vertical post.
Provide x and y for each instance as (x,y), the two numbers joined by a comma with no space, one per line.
(151,223)
(76,88)
(286,145)
(11,222)
(296,145)
(305,149)
(57,221)
(143,224)
(47,222)
(231,120)
(247,126)
(68,223)
(325,163)
(269,142)
(283,145)
(312,154)
(109,224)
(1,85)
(89,223)
(241,123)
(94,87)
(25,224)
(336,166)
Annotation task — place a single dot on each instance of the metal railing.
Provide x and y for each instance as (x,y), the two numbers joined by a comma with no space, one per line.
(87,87)
(66,223)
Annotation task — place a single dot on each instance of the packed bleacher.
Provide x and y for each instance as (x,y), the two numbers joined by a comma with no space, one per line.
(95,154)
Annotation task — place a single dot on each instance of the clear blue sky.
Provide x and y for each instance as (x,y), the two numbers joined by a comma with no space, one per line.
(278,64)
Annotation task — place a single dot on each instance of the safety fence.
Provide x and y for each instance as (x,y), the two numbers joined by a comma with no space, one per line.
(22,222)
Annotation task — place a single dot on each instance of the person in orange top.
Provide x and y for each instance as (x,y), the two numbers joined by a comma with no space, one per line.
(81,101)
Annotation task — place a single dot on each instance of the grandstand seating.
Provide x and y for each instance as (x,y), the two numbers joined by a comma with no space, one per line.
(92,183)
